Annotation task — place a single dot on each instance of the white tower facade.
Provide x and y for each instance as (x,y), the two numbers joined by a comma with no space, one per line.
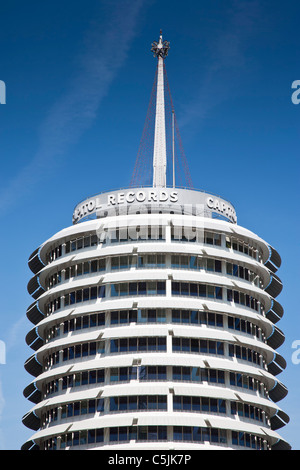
(155,324)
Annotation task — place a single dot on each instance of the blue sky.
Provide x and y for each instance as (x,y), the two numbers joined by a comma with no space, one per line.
(78,80)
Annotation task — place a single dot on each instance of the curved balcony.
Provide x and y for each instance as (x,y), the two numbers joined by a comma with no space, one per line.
(278,392)
(33,340)
(275,286)
(279,420)
(34,262)
(33,366)
(34,314)
(30,420)
(275,313)
(32,393)
(277,365)
(274,260)
(276,338)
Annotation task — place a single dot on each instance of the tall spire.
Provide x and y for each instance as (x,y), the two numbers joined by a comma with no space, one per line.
(160,50)
(157,153)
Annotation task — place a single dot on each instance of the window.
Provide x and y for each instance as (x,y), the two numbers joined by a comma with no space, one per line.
(199,404)
(151,261)
(140,288)
(81,350)
(152,373)
(244,299)
(198,434)
(139,433)
(194,345)
(248,440)
(198,290)
(142,402)
(137,344)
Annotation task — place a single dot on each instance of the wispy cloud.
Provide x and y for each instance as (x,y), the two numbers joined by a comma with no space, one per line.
(227,58)
(15,333)
(105,51)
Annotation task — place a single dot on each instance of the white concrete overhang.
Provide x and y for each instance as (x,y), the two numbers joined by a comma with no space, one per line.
(155,274)
(163,359)
(146,248)
(137,330)
(158,419)
(92,307)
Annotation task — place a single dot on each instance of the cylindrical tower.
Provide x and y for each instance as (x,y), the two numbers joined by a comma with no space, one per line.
(155,326)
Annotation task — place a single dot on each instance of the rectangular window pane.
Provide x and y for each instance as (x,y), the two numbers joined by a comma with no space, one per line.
(114,290)
(151,288)
(161,344)
(133,288)
(184,287)
(177,433)
(218,292)
(161,288)
(114,345)
(210,292)
(113,434)
(101,292)
(93,293)
(124,289)
(194,290)
(202,290)
(142,288)
(175,288)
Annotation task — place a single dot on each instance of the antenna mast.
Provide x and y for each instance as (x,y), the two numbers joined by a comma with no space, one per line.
(160,136)
(160,50)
